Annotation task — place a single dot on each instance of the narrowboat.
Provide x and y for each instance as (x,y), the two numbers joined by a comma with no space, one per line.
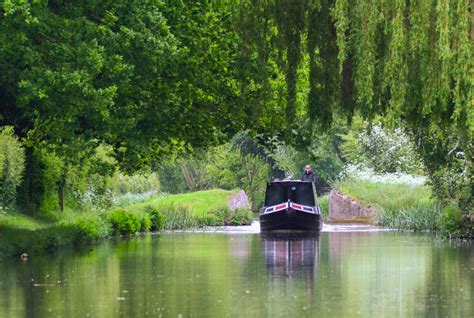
(290,205)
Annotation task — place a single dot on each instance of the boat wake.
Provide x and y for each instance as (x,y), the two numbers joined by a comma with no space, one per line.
(254,228)
(352,228)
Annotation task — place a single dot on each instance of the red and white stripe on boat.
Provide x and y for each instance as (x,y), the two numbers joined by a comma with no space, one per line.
(303,208)
(276,208)
(289,204)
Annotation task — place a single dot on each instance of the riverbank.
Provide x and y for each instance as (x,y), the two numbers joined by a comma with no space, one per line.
(407,207)
(22,234)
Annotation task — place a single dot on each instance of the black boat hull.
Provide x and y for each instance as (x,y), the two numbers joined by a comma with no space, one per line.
(290,219)
(290,205)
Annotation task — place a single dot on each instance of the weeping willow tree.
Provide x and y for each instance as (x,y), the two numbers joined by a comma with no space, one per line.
(412,62)
(408,61)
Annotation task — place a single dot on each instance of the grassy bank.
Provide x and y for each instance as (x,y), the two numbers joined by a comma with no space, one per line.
(402,206)
(23,234)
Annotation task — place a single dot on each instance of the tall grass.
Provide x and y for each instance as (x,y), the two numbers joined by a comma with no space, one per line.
(417,218)
(20,221)
(177,217)
(396,205)
(323,202)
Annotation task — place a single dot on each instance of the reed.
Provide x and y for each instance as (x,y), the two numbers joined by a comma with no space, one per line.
(177,217)
(397,205)
(323,202)
(417,218)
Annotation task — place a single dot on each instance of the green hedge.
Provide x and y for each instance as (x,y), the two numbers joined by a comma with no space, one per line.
(20,234)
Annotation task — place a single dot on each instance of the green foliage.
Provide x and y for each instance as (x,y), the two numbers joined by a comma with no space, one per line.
(453,184)
(216,217)
(136,183)
(416,217)
(454,224)
(242,216)
(386,196)
(416,76)
(323,202)
(113,64)
(177,217)
(408,62)
(320,152)
(12,164)
(382,149)
(124,222)
(171,178)
(451,221)
(38,193)
(396,205)
(51,178)
(19,233)
(145,225)
(229,169)
(218,167)
(199,203)
(156,217)
(151,79)
(90,229)
(224,216)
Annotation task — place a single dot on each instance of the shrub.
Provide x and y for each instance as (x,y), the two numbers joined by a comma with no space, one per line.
(451,221)
(209,220)
(145,225)
(157,219)
(124,222)
(224,216)
(242,216)
(90,229)
(12,164)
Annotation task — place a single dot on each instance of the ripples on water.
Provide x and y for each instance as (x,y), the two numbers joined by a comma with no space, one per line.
(254,228)
(345,271)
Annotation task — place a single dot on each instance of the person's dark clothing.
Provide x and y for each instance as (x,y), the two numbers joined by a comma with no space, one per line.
(308,176)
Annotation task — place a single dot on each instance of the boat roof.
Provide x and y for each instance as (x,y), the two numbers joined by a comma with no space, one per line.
(289,180)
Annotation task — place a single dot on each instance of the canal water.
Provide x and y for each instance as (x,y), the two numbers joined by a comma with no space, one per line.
(346,271)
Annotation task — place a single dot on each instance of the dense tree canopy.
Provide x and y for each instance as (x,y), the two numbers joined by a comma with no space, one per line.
(141,76)
(149,77)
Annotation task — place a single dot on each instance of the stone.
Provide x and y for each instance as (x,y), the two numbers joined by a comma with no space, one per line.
(344,207)
(238,200)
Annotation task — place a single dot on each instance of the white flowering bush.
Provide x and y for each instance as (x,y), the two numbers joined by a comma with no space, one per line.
(132,198)
(94,200)
(363,173)
(388,151)
(137,183)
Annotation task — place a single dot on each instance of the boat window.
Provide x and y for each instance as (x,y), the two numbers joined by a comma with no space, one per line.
(298,192)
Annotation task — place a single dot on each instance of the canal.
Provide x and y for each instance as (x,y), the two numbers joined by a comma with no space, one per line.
(346,271)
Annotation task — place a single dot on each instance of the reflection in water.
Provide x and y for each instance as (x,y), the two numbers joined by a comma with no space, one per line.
(289,254)
(291,259)
(339,274)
